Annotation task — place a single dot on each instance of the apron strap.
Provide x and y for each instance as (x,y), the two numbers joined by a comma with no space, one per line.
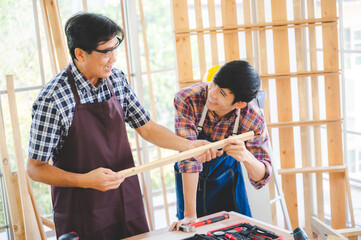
(201,122)
(204,114)
(236,124)
(72,85)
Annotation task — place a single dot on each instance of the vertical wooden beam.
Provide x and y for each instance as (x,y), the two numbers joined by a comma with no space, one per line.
(49,39)
(154,112)
(263,64)
(284,106)
(303,103)
(52,8)
(16,214)
(249,39)
(315,110)
(200,38)
(213,35)
(333,110)
(28,213)
(229,19)
(183,43)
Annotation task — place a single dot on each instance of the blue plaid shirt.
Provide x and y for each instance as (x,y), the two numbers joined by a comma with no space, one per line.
(53,110)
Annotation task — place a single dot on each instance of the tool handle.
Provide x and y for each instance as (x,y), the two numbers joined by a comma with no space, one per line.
(211,220)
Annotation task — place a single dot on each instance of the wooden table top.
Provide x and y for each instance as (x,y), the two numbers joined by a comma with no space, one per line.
(164,234)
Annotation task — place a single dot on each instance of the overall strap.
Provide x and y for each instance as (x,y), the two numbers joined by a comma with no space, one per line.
(236,124)
(201,122)
(72,85)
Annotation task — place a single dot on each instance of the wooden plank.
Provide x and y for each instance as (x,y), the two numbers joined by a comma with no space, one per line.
(340,168)
(323,230)
(49,40)
(263,65)
(184,155)
(230,39)
(154,112)
(284,106)
(52,9)
(306,123)
(48,223)
(249,39)
(36,210)
(85,5)
(213,35)
(28,215)
(333,110)
(349,232)
(15,212)
(183,43)
(200,38)
(303,103)
(258,26)
(315,111)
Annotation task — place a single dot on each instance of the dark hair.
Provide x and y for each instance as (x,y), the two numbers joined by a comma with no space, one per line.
(240,78)
(87,30)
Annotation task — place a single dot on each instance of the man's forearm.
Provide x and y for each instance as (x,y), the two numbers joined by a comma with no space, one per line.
(190,183)
(162,137)
(48,174)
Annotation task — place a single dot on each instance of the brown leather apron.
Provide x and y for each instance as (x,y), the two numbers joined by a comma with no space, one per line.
(98,138)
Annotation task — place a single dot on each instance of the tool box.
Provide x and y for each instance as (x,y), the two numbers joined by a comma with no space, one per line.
(239,231)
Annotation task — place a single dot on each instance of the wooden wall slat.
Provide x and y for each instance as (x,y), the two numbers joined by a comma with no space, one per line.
(333,109)
(28,213)
(263,70)
(303,105)
(284,106)
(57,33)
(15,210)
(249,40)
(229,18)
(213,35)
(315,110)
(200,38)
(183,43)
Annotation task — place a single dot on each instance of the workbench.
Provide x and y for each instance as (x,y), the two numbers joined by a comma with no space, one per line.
(164,234)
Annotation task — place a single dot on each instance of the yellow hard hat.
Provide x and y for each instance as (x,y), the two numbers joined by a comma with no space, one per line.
(208,77)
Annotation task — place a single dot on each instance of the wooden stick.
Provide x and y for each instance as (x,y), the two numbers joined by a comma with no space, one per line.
(257,26)
(152,100)
(277,76)
(183,155)
(16,214)
(340,168)
(24,192)
(36,211)
(349,232)
(305,123)
(48,223)
(323,230)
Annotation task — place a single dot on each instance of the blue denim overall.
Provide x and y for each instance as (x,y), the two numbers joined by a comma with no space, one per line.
(220,187)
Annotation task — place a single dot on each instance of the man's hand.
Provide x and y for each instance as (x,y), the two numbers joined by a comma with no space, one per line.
(237,149)
(185,221)
(103,179)
(207,155)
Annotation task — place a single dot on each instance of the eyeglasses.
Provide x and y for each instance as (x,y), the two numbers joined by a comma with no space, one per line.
(108,52)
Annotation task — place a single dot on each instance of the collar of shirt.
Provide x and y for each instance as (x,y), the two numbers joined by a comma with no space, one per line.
(82,83)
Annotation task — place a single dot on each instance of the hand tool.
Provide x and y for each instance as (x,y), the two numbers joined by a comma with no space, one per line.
(192,227)
(69,236)
(184,155)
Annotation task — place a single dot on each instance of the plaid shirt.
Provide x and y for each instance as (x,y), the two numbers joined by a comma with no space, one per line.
(53,110)
(189,103)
